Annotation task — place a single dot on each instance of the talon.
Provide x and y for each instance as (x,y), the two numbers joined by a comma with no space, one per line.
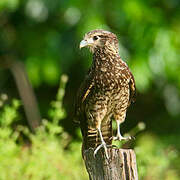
(105,149)
(119,136)
(103,144)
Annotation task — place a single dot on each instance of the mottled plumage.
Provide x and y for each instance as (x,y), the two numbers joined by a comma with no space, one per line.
(106,93)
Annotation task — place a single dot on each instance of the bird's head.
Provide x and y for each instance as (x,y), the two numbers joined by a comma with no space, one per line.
(98,39)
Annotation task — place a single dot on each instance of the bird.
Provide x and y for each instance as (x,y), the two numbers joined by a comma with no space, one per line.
(105,94)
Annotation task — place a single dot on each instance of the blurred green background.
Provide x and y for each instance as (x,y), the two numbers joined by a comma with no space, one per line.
(41,38)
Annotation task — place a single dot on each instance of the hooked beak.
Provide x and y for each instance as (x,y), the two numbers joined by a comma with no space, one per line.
(85,43)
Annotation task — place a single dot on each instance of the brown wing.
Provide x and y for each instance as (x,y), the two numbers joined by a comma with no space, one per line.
(132,87)
(83,92)
(126,71)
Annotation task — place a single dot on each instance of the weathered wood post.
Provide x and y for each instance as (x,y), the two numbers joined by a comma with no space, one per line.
(120,166)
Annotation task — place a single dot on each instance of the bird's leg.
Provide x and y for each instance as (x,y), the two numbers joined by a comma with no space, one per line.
(103,144)
(119,136)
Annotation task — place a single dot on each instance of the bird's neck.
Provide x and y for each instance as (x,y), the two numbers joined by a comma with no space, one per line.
(103,57)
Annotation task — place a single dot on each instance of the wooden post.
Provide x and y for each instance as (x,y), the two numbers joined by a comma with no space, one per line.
(120,166)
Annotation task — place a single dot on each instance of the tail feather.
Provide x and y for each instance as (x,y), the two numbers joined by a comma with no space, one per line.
(91,136)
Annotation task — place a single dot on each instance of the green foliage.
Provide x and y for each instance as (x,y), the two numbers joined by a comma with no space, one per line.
(155,160)
(43,156)
(10,4)
(57,111)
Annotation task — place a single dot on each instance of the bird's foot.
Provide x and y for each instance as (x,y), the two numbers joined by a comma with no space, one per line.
(104,145)
(120,138)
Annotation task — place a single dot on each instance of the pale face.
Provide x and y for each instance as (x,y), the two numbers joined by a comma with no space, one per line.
(92,40)
(98,39)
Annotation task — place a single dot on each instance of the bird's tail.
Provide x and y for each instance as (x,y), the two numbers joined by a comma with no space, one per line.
(91,137)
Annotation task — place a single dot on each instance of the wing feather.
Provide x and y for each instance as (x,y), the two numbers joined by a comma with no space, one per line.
(132,87)
(83,92)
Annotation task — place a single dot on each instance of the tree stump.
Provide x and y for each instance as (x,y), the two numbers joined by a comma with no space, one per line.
(120,166)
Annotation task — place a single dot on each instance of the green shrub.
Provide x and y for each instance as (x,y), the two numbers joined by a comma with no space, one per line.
(45,156)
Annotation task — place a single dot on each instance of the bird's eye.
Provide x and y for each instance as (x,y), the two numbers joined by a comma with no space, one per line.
(95,38)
